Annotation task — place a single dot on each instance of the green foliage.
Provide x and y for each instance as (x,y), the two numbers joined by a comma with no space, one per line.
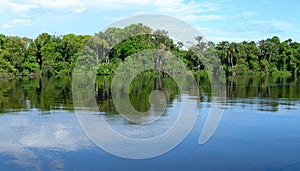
(52,55)
(29,66)
(132,45)
(6,68)
(109,68)
(266,57)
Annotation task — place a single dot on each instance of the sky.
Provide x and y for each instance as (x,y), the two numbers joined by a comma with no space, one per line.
(217,20)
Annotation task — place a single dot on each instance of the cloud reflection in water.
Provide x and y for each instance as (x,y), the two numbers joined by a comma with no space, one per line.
(25,135)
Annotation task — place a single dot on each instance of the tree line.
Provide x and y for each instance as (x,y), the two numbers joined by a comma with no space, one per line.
(53,55)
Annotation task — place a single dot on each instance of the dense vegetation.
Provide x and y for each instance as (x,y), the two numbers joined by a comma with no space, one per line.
(50,55)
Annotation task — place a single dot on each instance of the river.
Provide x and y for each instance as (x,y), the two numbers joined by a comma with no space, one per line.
(259,130)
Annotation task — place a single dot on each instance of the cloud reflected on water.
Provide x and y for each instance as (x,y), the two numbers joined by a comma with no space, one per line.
(25,135)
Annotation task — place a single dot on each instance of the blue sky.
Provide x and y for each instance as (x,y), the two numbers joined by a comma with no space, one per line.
(217,20)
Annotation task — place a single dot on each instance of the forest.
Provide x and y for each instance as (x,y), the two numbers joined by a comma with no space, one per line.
(56,55)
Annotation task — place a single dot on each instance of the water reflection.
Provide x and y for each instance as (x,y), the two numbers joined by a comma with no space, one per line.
(41,93)
(269,87)
(24,134)
(264,94)
(38,127)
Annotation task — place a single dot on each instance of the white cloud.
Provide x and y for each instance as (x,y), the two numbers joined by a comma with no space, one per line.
(16,7)
(64,9)
(203,28)
(21,6)
(179,6)
(173,7)
(79,10)
(75,6)
(21,21)
(211,17)
(193,17)
(184,10)
(5,26)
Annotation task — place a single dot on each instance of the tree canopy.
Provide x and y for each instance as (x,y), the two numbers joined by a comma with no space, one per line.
(53,55)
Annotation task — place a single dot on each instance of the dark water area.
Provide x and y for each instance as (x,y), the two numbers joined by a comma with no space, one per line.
(259,130)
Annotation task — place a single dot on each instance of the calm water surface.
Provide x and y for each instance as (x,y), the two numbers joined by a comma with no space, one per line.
(260,128)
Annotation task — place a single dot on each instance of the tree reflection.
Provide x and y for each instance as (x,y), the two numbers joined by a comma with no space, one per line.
(52,93)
